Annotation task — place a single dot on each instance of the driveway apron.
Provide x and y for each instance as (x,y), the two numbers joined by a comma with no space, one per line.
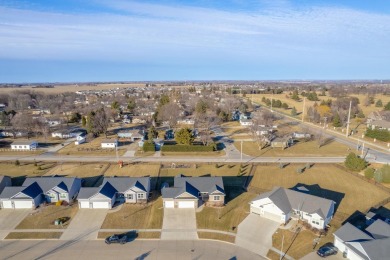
(179,224)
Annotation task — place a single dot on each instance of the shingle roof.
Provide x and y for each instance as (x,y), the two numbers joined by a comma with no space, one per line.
(23,142)
(10,191)
(379,229)
(87,192)
(193,185)
(286,200)
(107,190)
(109,141)
(349,233)
(47,183)
(377,249)
(122,184)
(33,190)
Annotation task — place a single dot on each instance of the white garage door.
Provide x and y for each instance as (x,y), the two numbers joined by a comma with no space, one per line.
(186,204)
(272,216)
(23,204)
(169,204)
(7,204)
(84,204)
(101,205)
(255,210)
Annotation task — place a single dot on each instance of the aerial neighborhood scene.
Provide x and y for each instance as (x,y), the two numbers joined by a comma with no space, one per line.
(202,130)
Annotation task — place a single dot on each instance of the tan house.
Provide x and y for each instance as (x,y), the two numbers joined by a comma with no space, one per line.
(192,192)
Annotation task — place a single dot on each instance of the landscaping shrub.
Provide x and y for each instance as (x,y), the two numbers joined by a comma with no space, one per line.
(188,148)
(369,173)
(382,135)
(355,163)
(383,174)
(148,147)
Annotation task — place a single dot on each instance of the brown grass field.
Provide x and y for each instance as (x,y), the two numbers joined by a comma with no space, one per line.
(34,235)
(26,169)
(133,170)
(77,169)
(45,217)
(228,217)
(204,169)
(136,216)
(309,148)
(216,236)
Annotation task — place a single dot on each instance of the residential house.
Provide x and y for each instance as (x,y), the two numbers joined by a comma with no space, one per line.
(371,243)
(282,204)
(109,143)
(379,119)
(68,133)
(115,190)
(193,192)
(5,181)
(138,120)
(282,142)
(298,135)
(264,130)
(133,135)
(80,139)
(38,190)
(27,145)
(246,122)
(186,121)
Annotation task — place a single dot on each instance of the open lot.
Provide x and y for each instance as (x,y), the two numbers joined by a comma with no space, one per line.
(219,169)
(18,173)
(78,169)
(44,217)
(136,216)
(92,148)
(309,148)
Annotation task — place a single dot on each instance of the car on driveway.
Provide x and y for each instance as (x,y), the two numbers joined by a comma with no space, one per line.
(327,250)
(120,238)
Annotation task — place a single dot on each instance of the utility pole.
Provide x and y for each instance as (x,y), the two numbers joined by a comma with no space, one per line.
(349,118)
(303,109)
(362,150)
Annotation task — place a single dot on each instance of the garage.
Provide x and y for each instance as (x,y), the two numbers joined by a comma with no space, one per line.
(186,204)
(255,210)
(7,204)
(84,204)
(23,204)
(272,216)
(101,205)
(169,204)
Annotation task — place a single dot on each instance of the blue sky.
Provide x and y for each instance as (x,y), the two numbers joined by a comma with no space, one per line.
(123,40)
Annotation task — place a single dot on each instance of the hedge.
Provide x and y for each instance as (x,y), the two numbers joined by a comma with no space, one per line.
(188,148)
(380,134)
(148,147)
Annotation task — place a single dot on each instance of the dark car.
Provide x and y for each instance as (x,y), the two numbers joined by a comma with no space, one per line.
(328,250)
(121,239)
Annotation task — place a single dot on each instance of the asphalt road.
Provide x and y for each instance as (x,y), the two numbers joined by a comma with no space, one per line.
(139,249)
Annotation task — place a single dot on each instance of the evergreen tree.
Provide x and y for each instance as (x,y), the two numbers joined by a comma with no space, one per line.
(336,120)
(379,103)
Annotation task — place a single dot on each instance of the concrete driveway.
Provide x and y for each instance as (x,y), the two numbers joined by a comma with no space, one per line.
(10,218)
(255,234)
(85,225)
(179,224)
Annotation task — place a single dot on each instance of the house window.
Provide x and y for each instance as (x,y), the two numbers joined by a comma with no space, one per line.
(316,222)
(217,197)
(63,195)
(51,195)
(140,195)
(130,196)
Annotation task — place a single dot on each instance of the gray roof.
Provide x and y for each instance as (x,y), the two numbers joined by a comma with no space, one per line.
(109,141)
(2,177)
(377,249)
(10,191)
(379,229)
(349,233)
(194,185)
(87,192)
(122,184)
(286,200)
(26,142)
(47,183)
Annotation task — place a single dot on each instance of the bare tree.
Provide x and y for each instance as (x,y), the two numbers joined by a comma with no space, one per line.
(170,113)
(204,123)
(101,121)
(23,123)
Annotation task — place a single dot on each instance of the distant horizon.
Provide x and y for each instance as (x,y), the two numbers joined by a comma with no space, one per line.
(176,40)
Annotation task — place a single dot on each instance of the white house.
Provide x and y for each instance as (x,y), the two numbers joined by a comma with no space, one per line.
(281,204)
(109,143)
(115,190)
(246,122)
(372,242)
(27,145)
(37,190)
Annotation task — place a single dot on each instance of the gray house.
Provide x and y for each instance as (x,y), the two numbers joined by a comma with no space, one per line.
(192,192)
(115,190)
(370,243)
(38,190)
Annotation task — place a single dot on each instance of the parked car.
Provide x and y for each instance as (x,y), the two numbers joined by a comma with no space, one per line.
(120,238)
(327,250)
